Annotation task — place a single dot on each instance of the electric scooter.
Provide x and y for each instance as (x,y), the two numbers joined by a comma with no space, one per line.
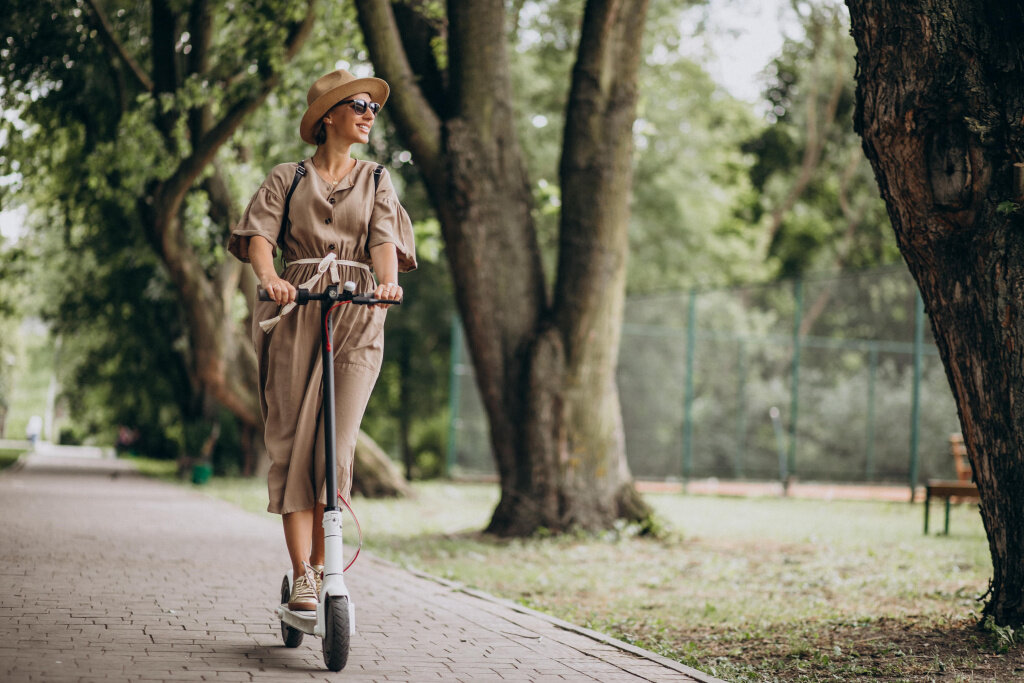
(334,620)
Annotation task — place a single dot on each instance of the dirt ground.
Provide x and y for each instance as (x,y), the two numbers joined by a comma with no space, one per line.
(905,649)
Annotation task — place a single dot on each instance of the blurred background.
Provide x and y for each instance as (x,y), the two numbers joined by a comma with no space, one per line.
(763,273)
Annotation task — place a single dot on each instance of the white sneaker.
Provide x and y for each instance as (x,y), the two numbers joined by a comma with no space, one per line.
(304,595)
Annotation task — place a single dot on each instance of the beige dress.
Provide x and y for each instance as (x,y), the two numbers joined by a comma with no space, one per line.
(346,220)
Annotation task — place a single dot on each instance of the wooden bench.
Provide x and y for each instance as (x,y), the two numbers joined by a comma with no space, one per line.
(962,489)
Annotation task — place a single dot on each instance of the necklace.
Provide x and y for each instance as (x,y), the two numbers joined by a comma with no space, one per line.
(325,172)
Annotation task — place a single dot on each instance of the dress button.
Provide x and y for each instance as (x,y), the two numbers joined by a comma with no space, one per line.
(328,221)
(331,247)
(331,200)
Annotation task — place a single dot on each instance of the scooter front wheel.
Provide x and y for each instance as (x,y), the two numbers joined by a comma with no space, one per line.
(291,636)
(336,632)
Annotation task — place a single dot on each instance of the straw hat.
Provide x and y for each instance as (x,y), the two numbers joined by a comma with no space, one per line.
(332,88)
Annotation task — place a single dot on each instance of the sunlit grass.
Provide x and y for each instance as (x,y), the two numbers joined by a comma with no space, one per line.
(152,467)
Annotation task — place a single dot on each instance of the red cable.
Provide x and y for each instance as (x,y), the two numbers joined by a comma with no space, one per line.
(326,317)
(358,528)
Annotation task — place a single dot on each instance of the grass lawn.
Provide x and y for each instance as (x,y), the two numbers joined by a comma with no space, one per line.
(745,589)
(9,456)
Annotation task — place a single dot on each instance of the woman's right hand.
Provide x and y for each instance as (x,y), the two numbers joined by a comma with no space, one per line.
(281,291)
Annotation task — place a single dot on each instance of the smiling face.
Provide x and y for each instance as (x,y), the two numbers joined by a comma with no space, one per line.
(343,122)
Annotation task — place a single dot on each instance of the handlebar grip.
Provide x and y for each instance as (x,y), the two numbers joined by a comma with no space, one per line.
(368,300)
(301,295)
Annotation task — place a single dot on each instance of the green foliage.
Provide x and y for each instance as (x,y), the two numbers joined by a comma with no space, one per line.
(126,351)
(13,269)
(1007,207)
(88,144)
(408,410)
(1005,637)
(815,195)
(690,178)
(29,360)
(690,174)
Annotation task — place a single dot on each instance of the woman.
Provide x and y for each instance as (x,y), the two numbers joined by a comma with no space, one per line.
(341,219)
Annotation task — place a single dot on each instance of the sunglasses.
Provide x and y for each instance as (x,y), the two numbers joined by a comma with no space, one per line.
(361,106)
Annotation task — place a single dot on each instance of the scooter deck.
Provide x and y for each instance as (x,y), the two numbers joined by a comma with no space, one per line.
(304,621)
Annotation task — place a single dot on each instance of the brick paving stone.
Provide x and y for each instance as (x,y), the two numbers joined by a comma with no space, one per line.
(119,577)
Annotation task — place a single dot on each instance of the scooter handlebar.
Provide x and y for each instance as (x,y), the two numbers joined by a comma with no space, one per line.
(304,296)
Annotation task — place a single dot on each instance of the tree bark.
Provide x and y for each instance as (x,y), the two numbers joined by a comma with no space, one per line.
(546,372)
(597,179)
(375,475)
(940,107)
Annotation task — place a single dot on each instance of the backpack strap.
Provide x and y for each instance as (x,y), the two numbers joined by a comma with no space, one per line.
(300,171)
(376,176)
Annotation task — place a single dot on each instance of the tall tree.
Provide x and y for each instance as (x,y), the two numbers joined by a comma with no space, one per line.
(544,359)
(940,91)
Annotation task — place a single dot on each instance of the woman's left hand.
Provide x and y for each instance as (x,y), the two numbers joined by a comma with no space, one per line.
(387,290)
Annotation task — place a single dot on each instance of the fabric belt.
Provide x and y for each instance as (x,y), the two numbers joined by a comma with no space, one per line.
(327,263)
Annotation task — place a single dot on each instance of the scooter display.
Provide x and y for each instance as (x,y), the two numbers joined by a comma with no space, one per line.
(334,619)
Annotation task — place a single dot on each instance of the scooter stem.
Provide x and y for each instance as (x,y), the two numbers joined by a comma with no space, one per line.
(334,561)
(327,389)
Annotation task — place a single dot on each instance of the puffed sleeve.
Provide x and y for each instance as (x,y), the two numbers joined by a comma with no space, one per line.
(390,223)
(262,217)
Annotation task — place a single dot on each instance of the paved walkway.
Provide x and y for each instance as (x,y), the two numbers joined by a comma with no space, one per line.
(108,576)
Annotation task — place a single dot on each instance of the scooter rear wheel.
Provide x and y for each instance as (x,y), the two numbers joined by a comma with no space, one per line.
(291,636)
(336,633)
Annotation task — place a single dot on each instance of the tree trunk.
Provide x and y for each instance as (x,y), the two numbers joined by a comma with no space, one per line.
(546,372)
(597,180)
(374,475)
(940,106)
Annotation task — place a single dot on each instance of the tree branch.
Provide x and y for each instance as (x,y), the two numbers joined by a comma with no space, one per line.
(817,131)
(299,32)
(115,47)
(162,41)
(205,148)
(596,171)
(200,29)
(419,123)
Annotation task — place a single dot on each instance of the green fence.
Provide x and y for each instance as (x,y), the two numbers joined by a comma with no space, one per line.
(846,365)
